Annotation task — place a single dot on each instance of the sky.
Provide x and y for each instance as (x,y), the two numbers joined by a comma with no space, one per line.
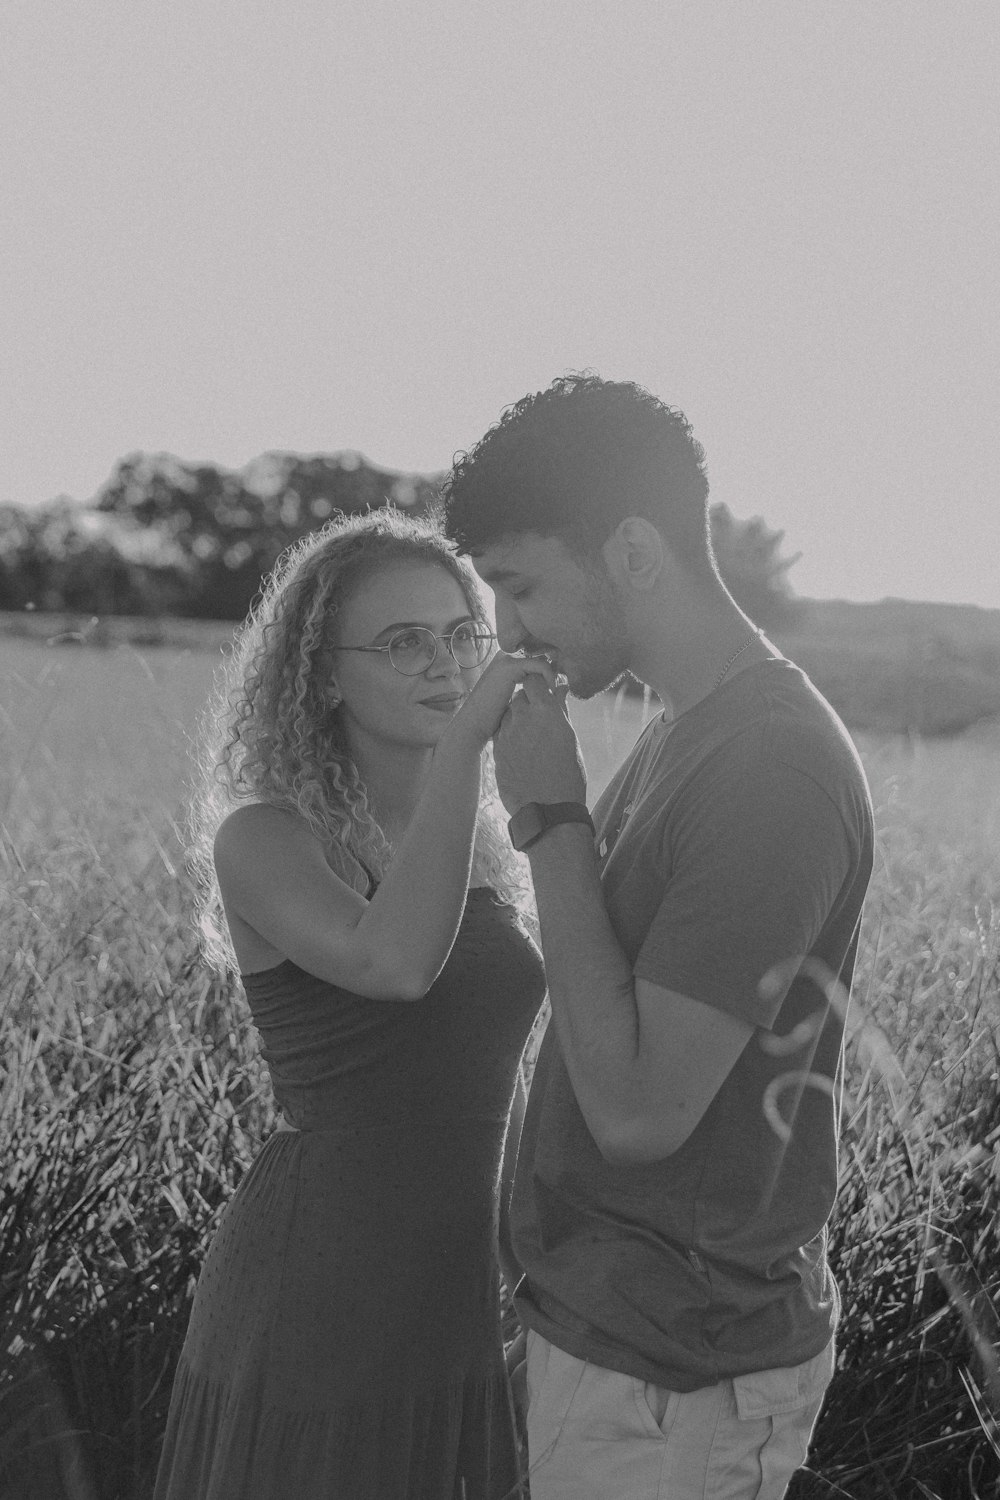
(353,224)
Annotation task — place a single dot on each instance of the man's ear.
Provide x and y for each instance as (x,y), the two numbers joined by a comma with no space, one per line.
(635,553)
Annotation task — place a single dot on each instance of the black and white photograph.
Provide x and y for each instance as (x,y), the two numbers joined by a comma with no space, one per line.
(499,750)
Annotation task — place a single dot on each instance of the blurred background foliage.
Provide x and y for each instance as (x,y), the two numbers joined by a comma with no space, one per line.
(166,541)
(166,537)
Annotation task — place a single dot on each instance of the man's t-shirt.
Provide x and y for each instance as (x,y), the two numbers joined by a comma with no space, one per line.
(735,848)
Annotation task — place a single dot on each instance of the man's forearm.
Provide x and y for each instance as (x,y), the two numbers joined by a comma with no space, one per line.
(590,981)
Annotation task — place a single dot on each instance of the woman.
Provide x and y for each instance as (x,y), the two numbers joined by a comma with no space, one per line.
(345,1337)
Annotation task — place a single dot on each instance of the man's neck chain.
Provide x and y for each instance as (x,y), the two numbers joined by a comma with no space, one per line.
(754,634)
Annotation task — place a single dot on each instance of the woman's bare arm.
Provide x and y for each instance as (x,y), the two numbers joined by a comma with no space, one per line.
(274,876)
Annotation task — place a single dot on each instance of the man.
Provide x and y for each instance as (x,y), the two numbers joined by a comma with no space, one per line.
(678,1160)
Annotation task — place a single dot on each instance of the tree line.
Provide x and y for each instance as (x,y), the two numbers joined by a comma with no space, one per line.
(168,537)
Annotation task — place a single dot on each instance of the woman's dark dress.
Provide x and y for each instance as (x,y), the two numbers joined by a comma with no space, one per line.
(345,1339)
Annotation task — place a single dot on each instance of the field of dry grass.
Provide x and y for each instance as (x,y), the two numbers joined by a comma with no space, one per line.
(131,1101)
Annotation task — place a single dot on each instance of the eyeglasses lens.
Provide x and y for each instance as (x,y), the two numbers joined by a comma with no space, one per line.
(470,645)
(413,651)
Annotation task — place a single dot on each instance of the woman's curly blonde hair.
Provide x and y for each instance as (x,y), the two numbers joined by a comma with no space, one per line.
(269,733)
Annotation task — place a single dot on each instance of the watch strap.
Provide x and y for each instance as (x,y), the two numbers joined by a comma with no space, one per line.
(535,818)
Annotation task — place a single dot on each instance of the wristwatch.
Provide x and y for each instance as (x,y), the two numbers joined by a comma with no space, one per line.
(534,818)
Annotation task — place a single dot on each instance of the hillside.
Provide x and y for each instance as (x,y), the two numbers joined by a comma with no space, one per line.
(901,664)
(966,625)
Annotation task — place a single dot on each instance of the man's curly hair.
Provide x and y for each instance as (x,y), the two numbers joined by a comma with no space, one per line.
(573,461)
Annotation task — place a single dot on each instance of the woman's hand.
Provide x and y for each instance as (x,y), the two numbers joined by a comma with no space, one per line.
(486,705)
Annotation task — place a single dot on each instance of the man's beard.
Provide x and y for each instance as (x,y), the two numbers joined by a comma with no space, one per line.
(601,659)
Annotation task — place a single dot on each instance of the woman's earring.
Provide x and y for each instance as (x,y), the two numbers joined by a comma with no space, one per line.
(335,700)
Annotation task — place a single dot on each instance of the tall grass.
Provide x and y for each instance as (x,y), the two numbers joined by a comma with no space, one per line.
(916,1236)
(132,1101)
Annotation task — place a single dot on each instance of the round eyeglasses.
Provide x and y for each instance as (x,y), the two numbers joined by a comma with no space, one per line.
(413,650)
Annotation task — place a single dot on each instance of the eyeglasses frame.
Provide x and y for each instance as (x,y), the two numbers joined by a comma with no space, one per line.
(483,631)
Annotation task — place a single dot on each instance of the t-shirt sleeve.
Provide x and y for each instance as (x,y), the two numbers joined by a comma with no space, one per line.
(757,861)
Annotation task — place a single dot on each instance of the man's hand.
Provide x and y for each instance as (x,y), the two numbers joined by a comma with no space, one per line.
(536,750)
(516,1356)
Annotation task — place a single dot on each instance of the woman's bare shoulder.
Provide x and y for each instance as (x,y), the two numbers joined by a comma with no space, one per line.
(256,828)
(259,829)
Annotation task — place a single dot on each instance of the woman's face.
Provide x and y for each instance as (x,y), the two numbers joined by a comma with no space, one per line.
(380,704)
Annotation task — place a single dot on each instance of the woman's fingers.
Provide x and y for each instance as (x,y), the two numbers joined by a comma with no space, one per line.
(514,1351)
(505,673)
(534,667)
(492,694)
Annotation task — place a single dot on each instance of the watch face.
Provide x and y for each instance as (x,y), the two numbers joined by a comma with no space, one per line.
(526,824)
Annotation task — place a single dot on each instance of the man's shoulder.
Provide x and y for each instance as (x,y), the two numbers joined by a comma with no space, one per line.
(763,738)
(801,731)
(770,725)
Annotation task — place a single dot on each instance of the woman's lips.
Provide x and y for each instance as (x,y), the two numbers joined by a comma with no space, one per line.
(442,701)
